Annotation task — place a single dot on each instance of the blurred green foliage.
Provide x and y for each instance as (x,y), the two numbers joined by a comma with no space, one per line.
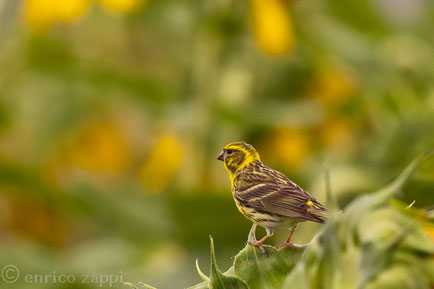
(112,113)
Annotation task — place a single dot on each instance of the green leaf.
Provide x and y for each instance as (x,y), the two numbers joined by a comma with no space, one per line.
(298,279)
(230,272)
(400,277)
(203,285)
(367,203)
(261,271)
(292,256)
(400,181)
(141,284)
(388,222)
(146,286)
(201,274)
(377,257)
(220,281)
(419,241)
(130,284)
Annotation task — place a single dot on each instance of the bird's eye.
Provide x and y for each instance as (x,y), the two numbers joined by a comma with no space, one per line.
(229,152)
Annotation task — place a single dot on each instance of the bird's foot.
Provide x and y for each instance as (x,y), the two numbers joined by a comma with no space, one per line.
(281,245)
(259,244)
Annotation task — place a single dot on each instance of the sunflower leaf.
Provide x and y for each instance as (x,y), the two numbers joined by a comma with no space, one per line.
(261,271)
(218,280)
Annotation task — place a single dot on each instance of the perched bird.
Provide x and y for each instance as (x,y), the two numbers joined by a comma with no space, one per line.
(265,196)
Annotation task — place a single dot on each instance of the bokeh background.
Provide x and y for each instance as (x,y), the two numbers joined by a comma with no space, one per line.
(112,113)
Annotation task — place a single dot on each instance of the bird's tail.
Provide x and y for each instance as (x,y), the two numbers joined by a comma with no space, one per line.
(319,211)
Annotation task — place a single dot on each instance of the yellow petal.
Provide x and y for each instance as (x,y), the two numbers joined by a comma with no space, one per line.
(272,26)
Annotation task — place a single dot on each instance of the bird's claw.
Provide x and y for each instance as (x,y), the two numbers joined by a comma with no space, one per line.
(258,244)
(281,245)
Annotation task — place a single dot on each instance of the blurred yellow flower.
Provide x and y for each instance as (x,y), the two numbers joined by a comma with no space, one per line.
(333,86)
(272,26)
(42,14)
(336,133)
(100,148)
(163,163)
(429,229)
(287,146)
(39,222)
(125,6)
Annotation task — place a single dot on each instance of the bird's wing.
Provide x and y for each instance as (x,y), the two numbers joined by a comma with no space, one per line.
(289,200)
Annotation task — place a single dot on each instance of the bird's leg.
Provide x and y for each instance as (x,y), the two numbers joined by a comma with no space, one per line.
(253,236)
(288,242)
(270,233)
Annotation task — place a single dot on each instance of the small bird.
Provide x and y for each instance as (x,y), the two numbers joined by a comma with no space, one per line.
(265,196)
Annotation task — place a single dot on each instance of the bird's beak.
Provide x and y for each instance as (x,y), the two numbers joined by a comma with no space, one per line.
(220,157)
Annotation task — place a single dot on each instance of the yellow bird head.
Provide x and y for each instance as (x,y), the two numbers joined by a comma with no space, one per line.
(237,155)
